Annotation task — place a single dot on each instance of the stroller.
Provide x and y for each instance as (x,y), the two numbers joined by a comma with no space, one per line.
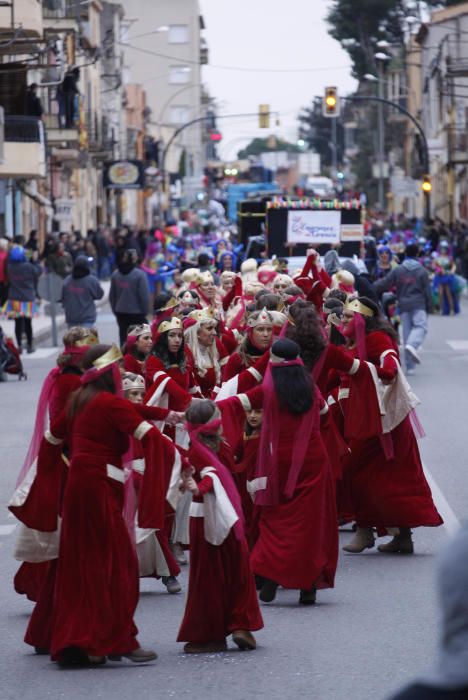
(10,360)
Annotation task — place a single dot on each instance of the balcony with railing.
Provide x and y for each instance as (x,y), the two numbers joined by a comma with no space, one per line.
(457,142)
(61,14)
(58,132)
(98,134)
(22,18)
(24,153)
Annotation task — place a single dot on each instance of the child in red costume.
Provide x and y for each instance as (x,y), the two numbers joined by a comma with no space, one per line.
(221,597)
(155,558)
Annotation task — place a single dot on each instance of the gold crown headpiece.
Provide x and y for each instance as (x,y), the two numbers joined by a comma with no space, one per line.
(109,357)
(133,381)
(142,329)
(202,315)
(358,307)
(172,324)
(264,317)
(171,304)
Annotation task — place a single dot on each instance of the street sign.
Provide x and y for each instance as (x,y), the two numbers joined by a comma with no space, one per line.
(50,286)
(64,210)
(403,186)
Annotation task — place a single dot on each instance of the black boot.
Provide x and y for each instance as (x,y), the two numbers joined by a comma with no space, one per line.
(308,597)
(268,590)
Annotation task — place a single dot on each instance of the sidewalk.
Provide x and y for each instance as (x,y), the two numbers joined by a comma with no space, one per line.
(42,324)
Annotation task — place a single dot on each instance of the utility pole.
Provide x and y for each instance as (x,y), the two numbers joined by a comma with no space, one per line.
(381,138)
(383,101)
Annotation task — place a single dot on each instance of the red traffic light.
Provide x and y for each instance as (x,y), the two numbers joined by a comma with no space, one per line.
(216,136)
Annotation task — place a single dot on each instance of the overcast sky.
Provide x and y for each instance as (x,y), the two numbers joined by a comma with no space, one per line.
(269,34)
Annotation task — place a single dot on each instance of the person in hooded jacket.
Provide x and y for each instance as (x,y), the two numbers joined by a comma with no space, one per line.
(448,679)
(21,304)
(413,291)
(129,294)
(80,291)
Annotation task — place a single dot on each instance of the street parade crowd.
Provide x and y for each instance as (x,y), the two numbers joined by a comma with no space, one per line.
(234,432)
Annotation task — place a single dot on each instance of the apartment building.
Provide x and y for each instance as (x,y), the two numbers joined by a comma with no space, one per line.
(444,107)
(165,51)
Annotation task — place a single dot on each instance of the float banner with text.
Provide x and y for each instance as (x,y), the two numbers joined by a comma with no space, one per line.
(314,227)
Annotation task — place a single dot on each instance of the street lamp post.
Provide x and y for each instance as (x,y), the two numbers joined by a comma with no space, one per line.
(381,58)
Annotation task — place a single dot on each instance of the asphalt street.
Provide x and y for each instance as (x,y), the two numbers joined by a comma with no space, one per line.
(376,630)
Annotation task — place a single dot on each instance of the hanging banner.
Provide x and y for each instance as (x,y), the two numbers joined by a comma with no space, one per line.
(314,227)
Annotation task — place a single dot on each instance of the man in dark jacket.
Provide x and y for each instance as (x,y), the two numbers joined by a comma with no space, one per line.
(129,295)
(413,291)
(80,291)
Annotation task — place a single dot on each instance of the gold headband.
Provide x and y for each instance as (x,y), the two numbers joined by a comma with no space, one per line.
(109,357)
(358,307)
(174,324)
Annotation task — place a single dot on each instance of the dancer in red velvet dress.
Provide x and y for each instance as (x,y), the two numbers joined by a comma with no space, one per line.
(170,384)
(383,472)
(256,342)
(95,591)
(137,348)
(56,389)
(221,597)
(207,354)
(297,545)
(155,558)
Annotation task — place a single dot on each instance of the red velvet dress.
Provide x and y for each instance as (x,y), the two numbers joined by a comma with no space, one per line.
(95,591)
(297,545)
(132,364)
(221,595)
(176,396)
(386,492)
(30,577)
(244,471)
(208,380)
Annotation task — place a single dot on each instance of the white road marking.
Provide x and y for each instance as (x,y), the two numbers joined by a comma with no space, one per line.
(458,345)
(451,522)
(7,529)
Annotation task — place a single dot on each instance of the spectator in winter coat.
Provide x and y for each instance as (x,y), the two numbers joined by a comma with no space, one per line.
(21,305)
(129,295)
(413,291)
(80,291)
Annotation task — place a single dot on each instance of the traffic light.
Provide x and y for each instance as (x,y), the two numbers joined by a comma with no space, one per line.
(215,136)
(331,103)
(426,184)
(264,116)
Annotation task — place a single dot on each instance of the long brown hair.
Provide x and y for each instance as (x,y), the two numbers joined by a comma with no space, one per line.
(105,382)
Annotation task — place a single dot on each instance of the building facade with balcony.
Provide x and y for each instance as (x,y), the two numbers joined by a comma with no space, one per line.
(444,107)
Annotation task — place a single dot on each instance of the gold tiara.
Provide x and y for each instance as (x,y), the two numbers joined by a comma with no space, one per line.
(171,325)
(109,357)
(202,315)
(358,307)
(171,304)
(264,318)
(140,330)
(130,381)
